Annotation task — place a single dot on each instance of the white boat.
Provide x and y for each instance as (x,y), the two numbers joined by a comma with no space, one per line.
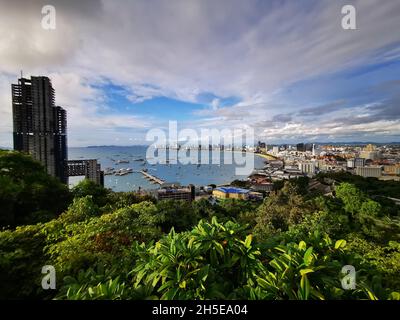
(109,171)
(123,171)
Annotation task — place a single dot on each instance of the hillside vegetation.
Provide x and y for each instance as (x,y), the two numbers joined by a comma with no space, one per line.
(107,245)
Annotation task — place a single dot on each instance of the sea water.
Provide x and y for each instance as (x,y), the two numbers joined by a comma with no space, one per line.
(194,173)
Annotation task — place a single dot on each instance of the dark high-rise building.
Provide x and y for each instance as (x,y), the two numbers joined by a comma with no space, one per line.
(300,147)
(40,127)
(308,147)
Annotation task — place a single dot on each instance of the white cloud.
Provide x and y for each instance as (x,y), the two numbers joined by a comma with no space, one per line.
(215,104)
(179,49)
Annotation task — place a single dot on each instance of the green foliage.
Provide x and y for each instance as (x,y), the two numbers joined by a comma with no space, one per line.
(27,193)
(282,209)
(213,261)
(87,187)
(371,186)
(96,284)
(234,208)
(366,215)
(21,260)
(104,238)
(351,197)
(220,261)
(381,262)
(81,209)
(302,272)
(240,184)
(299,184)
(176,214)
(110,245)
(118,200)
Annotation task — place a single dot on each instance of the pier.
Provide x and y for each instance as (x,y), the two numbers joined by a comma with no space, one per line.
(152,178)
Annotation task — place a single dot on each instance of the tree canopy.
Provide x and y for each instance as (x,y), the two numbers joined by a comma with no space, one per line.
(115,245)
(27,193)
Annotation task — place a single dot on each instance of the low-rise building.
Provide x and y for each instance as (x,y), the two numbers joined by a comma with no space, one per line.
(350,163)
(392,169)
(231,193)
(176,193)
(372,155)
(307,167)
(369,172)
(359,162)
(265,186)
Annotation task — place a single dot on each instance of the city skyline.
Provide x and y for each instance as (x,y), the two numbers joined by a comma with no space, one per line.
(287,69)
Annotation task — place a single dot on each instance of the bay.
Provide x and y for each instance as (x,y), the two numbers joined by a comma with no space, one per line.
(199,175)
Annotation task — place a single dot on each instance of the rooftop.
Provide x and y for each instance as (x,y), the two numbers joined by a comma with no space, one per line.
(232,190)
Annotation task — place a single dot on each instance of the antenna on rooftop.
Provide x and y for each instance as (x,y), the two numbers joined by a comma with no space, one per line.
(21,74)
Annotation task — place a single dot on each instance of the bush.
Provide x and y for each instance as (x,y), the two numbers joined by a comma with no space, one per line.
(21,261)
(220,261)
(27,193)
(87,187)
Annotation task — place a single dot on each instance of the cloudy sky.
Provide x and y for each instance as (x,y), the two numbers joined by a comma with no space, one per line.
(286,68)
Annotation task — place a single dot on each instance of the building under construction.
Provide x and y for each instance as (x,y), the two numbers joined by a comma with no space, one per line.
(40,129)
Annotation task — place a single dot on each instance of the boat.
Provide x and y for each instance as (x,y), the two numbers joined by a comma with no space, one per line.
(123,161)
(109,171)
(123,171)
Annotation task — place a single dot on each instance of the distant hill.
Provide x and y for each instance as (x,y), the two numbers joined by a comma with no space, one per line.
(114,146)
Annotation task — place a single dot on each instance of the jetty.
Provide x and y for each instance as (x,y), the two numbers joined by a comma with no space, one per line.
(152,178)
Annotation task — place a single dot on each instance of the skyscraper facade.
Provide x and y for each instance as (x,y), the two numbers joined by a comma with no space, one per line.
(40,127)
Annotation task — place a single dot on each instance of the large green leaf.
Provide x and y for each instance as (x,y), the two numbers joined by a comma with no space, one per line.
(340,244)
(308,256)
(304,287)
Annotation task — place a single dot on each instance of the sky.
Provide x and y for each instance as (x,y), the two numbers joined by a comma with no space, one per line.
(287,69)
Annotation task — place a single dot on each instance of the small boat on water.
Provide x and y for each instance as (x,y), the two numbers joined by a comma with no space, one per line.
(123,161)
(109,171)
(123,172)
